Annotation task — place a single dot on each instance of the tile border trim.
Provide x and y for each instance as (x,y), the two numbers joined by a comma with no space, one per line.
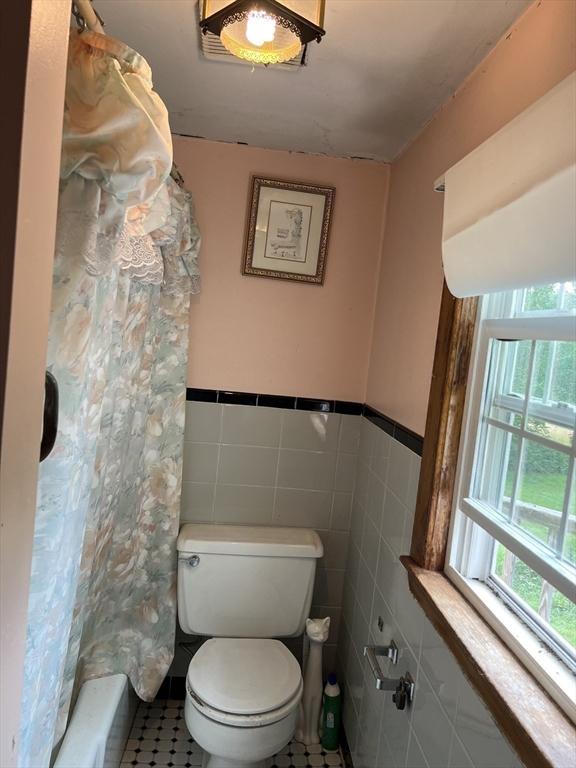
(273,401)
(410,439)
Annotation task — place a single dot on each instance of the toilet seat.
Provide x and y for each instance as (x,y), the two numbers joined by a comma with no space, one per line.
(244,721)
(244,682)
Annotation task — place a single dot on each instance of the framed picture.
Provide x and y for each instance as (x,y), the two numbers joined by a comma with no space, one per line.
(287,230)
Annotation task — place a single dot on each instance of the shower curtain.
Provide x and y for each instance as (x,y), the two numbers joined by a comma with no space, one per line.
(103,582)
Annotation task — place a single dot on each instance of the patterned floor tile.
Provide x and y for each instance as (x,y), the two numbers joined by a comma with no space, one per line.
(160,738)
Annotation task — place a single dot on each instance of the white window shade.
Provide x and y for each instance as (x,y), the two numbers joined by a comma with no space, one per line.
(510,205)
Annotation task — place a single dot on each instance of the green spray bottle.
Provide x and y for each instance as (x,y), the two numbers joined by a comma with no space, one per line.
(331,714)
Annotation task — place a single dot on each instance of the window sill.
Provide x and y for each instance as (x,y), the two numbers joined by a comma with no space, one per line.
(538,730)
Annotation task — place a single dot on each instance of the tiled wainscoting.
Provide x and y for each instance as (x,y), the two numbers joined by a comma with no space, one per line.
(247,465)
(447,726)
(262,460)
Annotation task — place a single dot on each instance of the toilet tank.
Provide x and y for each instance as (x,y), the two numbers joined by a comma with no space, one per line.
(237,581)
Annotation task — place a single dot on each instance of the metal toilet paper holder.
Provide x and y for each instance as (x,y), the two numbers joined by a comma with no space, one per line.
(403,686)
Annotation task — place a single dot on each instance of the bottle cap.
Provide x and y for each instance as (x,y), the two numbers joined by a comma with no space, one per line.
(332,679)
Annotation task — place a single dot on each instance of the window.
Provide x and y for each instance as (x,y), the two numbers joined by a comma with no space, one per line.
(513,536)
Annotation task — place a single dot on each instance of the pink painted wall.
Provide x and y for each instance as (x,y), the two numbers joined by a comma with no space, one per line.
(260,335)
(538,52)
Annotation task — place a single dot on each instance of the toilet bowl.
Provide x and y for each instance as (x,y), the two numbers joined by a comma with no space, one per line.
(242,698)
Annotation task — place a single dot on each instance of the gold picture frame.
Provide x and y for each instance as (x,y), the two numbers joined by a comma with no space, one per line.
(287,230)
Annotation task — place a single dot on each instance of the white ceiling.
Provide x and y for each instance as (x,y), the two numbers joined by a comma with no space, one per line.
(382,70)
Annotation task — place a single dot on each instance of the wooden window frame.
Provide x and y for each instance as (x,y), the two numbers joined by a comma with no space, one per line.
(528,717)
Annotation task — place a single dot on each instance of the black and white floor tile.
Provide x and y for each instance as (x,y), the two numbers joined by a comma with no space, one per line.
(160,738)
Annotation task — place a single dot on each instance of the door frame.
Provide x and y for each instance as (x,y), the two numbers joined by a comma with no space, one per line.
(33,51)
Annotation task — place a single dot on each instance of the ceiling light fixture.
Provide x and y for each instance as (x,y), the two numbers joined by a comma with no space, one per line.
(264,31)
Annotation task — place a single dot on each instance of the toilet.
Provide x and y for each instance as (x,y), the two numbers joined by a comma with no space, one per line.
(244,587)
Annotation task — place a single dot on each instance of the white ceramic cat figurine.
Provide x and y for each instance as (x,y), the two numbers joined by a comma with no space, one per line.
(307,730)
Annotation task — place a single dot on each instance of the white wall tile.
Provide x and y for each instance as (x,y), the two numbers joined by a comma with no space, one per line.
(341,511)
(305,509)
(370,546)
(203,422)
(310,431)
(350,720)
(393,517)
(431,725)
(395,725)
(385,756)
(357,524)
(368,435)
(345,472)
(354,679)
(359,634)
(387,574)
(365,588)
(380,457)
(305,469)
(363,475)
(200,462)
(349,440)
(328,587)
(459,758)
(381,611)
(243,504)
(406,610)
(375,501)
(406,544)
(415,758)
(335,549)
(441,669)
(370,720)
(354,559)
(343,648)
(197,502)
(479,734)
(415,464)
(248,425)
(348,602)
(399,468)
(247,465)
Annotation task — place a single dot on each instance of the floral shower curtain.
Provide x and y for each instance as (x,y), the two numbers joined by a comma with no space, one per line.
(103,582)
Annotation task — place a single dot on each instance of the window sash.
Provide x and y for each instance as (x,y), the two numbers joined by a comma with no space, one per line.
(535,622)
(563,417)
(546,563)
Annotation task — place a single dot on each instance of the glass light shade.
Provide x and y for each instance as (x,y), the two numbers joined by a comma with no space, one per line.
(242,39)
(259,32)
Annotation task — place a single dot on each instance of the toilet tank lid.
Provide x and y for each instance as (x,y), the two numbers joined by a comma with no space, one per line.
(258,541)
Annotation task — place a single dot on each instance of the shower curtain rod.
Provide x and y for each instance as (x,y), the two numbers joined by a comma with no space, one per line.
(87,16)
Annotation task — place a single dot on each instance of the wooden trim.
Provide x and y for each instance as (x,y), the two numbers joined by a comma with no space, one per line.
(443,426)
(538,730)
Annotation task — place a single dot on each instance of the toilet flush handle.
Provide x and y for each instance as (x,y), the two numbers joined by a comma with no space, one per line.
(193,561)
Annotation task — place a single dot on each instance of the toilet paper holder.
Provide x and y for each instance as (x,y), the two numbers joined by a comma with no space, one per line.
(403,686)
